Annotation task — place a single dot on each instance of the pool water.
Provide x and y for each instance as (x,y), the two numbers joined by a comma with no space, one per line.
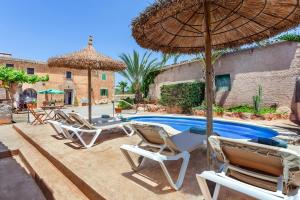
(223,128)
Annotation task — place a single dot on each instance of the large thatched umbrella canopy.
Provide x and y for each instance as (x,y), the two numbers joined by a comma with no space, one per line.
(87,59)
(177,25)
(190,26)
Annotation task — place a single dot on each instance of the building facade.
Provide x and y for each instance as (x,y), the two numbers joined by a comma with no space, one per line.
(73,82)
(238,75)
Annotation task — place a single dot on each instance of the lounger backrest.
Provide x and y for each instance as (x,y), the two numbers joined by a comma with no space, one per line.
(81,120)
(64,116)
(153,134)
(150,133)
(257,157)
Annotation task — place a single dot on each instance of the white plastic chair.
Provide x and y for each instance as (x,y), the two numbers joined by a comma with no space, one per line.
(162,143)
(260,171)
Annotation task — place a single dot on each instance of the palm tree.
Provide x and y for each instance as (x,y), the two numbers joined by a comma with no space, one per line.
(166,57)
(176,56)
(137,69)
(122,85)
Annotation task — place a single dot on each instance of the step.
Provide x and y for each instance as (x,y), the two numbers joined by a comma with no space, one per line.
(52,182)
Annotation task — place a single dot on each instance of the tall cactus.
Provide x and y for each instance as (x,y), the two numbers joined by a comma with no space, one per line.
(257,100)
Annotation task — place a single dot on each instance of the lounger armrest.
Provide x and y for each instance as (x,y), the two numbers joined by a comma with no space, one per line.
(222,179)
(71,128)
(152,155)
(54,122)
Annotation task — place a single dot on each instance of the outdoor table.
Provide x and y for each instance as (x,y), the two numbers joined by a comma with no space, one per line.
(49,110)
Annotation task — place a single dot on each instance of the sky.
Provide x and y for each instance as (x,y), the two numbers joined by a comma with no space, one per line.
(39,29)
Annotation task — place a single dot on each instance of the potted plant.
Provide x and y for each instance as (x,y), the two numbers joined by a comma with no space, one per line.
(84,101)
(218,111)
(34,103)
(118,109)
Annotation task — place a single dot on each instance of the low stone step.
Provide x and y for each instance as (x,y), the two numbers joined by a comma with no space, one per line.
(53,182)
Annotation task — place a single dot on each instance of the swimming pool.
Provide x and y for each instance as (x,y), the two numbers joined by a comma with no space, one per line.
(224,128)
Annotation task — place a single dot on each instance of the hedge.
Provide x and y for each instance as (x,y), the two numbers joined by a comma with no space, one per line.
(184,95)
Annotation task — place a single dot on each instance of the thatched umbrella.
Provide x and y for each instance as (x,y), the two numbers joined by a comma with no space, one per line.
(87,59)
(190,26)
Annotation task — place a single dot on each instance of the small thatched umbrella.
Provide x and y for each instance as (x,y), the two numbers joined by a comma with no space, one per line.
(87,59)
(190,26)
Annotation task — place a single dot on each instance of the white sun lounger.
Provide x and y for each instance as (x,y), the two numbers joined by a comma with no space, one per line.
(260,171)
(162,143)
(76,133)
(63,118)
(115,123)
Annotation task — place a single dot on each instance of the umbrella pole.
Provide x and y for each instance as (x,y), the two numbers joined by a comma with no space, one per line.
(209,77)
(90,94)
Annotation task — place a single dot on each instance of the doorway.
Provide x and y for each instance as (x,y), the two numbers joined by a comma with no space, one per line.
(68,97)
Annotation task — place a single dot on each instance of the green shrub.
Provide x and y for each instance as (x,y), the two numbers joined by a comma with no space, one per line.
(241,109)
(184,95)
(124,105)
(267,110)
(218,109)
(202,107)
(250,109)
(290,37)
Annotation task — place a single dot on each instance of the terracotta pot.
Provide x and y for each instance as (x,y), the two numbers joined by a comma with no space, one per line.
(228,114)
(237,114)
(118,110)
(269,116)
(6,120)
(199,112)
(245,116)
(257,117)
(218,114)
(174,109)
(285,116)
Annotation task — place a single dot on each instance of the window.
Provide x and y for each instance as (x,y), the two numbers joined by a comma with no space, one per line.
(223,82)
(30,70)
(103,76)
(9,65)
(69,75)
(104,92)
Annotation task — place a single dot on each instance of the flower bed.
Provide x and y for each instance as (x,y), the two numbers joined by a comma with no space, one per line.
(243,112)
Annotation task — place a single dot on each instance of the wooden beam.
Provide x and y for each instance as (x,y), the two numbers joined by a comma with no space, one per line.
(209,77)
(90,93)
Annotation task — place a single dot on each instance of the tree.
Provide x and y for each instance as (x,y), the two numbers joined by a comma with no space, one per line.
(166,57)
(290,37)
(122,85)
(138,67)
(11,77)
(176,56)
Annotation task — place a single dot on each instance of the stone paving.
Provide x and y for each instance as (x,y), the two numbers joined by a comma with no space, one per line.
(102,171)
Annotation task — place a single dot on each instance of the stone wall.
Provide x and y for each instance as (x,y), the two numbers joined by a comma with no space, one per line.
(57,80)
(271,67)
(274,67)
